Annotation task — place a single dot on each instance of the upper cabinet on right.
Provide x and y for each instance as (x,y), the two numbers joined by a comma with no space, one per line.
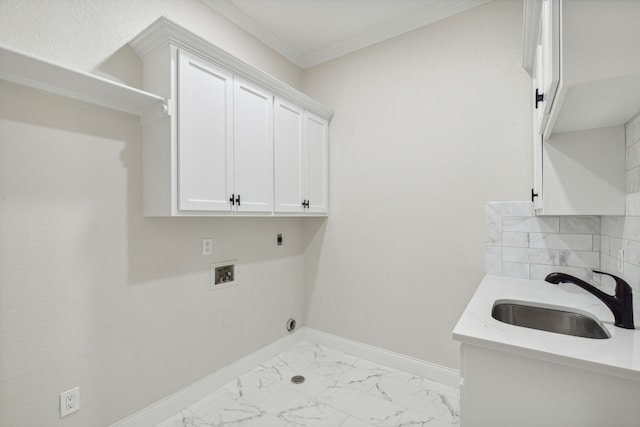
(584,57)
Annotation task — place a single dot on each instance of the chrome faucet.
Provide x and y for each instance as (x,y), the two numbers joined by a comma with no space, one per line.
(621,304)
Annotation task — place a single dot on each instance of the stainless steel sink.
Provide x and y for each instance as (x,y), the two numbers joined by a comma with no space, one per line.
(561,320)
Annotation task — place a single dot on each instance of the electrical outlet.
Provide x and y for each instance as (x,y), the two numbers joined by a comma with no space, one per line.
(207,246)
(69,401)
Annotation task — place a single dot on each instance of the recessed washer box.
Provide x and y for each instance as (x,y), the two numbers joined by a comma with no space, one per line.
(223,274)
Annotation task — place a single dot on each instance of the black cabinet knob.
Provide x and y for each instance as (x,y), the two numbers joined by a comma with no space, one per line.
(539,98)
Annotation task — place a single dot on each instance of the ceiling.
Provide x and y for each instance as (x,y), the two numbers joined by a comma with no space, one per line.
(310,32)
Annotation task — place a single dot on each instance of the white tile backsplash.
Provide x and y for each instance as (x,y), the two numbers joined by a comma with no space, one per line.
(633,180)
(515,269)
(515,239)
(633,204)
(580,224)
(534,224)
(584,259)
(520,244)
(580,242)
(511,208)
(633,156)
(530,256)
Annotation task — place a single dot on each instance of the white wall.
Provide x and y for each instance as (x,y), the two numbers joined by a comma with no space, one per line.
(428,127)
(91,292)
(85,34)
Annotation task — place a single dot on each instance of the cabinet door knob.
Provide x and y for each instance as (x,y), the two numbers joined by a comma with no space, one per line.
(238,200)
(539,98)
(232,200)
(533,195)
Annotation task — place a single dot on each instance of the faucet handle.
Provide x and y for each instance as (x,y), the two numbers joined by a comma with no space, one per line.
(622,287)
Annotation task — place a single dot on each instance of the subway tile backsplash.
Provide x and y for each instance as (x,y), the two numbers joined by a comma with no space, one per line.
(520,244)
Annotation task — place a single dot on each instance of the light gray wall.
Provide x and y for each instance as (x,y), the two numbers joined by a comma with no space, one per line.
(428,127)
(92,294)
(86,34)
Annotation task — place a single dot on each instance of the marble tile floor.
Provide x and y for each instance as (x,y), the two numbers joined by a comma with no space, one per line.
(340,390)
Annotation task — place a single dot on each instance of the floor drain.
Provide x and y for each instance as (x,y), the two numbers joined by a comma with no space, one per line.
(297,379)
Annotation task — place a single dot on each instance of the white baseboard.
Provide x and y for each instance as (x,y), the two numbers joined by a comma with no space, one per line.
(388,358)
(170,405)
(174,403)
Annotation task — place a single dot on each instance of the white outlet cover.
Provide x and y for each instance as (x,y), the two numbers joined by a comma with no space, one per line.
(69,401)
(207,246)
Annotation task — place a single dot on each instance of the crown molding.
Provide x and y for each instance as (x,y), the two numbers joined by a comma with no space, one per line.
(164,32)
(245,22)
(394,29)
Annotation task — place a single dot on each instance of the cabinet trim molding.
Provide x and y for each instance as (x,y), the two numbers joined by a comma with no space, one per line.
(164,32)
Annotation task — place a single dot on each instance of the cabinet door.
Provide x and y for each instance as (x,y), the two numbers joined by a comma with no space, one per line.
(315,163)
(547,76)
(252,148)
(205,135)
(288,142)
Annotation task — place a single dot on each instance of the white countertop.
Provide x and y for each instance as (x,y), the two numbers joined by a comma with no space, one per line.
(618,355)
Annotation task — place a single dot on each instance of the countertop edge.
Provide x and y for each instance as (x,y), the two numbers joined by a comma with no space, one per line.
(572,362)
(466,332)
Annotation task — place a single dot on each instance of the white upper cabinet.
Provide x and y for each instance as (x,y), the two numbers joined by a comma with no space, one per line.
(252,148)
(583,58)
(205,135)
(586,85)
(300,160)
(315,163)
(288,133)
(212,151)
(547,64)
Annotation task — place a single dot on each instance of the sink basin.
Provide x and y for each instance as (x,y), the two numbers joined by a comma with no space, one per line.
(560,320)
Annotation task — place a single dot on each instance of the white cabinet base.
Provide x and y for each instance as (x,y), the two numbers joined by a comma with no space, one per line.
(503,389)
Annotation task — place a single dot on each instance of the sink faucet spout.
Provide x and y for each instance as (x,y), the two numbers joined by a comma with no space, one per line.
(620,304)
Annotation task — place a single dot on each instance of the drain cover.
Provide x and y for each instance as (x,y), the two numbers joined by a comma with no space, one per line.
(297,379)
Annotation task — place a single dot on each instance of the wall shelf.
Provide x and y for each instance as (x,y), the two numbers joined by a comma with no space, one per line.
(28,70)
